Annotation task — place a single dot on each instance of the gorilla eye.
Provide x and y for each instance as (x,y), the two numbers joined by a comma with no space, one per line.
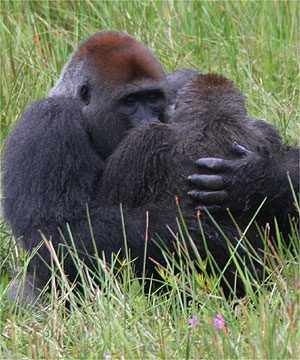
(154,97)
(129,100)
(85,94)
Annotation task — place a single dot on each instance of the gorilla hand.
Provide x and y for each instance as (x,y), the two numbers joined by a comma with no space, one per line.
(225,184)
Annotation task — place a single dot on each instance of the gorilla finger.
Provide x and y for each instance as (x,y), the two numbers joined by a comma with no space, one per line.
(213,209)
(213,163)
(211,197)
(240,150)
(213,182)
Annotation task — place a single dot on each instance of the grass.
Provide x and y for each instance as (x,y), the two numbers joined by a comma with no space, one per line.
(256,45)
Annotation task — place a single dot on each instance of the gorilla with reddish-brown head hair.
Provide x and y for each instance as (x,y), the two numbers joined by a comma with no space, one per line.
(55,157)
(113,94)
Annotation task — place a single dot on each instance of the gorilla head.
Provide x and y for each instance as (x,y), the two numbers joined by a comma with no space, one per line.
(119,83)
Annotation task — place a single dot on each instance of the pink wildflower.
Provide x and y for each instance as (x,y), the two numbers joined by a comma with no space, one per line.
(193,321)
(219,321)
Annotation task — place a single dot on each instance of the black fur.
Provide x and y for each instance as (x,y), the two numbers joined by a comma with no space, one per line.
(50,170)
(209,116)
(55,158)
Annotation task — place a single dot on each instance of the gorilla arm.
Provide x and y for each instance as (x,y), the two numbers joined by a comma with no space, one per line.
(242,184)
(50,170)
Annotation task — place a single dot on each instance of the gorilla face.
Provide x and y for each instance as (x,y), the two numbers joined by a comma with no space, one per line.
(141,107)
(111,113)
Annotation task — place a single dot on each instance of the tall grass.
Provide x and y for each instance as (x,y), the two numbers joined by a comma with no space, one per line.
(256,44)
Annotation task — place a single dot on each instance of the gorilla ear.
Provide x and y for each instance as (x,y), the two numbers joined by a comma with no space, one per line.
(84,93)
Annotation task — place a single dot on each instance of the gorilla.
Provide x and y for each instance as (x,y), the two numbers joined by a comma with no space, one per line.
(151,166)
(208,121)
(228,183)
(55,158)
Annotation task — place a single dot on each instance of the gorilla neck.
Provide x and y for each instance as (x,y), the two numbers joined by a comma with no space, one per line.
(100,150)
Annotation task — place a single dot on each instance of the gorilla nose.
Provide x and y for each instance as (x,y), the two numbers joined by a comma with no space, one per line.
(152,120)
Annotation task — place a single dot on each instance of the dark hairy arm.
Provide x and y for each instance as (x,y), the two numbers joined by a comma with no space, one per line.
(242,184)
(49,168)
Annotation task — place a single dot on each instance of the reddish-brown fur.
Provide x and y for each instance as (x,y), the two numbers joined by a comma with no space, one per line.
(129,59)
